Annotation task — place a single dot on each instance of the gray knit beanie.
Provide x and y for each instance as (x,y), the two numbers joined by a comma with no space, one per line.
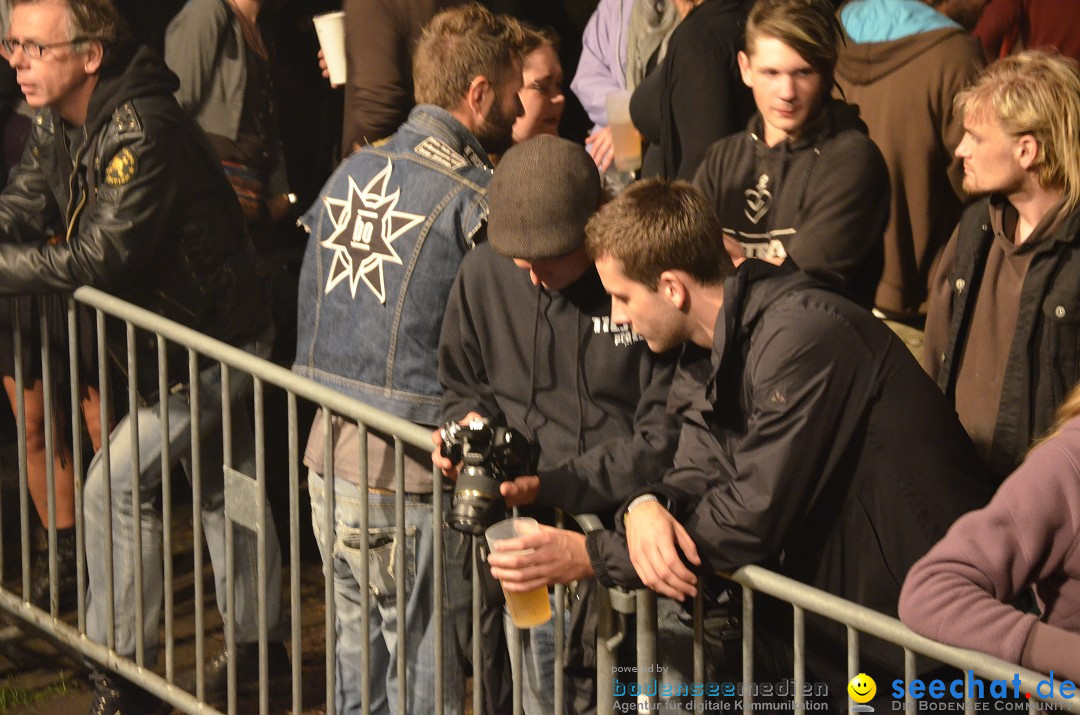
(543,192)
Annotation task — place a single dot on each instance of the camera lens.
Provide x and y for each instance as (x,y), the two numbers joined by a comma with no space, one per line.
(476,503)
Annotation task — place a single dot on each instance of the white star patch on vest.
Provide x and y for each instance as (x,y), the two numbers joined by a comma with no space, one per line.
(365,226)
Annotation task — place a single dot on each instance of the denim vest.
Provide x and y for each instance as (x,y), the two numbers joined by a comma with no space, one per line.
(386,238)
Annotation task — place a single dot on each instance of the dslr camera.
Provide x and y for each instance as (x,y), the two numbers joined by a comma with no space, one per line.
(489,454)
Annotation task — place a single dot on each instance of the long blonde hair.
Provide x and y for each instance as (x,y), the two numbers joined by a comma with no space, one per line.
(1068,409)
(1035,93)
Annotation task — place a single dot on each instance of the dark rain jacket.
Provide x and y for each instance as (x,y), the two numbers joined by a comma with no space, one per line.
(146,211)
(815,446)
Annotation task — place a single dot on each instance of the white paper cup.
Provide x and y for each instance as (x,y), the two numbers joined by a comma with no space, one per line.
(330,27)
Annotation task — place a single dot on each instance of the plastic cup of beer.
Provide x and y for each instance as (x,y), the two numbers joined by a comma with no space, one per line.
(530,608)
(330,28)
(624,137)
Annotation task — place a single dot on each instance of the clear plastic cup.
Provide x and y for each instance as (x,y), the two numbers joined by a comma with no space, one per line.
(624,137)
(531,608)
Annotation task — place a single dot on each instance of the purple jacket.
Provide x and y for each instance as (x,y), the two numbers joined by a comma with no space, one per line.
(960,592)
(602,67)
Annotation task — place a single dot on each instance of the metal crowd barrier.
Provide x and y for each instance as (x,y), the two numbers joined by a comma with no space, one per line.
(241,490)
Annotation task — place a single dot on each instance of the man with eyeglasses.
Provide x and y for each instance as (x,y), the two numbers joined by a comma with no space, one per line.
(119,189)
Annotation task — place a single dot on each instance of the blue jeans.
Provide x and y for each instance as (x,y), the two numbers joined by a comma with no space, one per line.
(378,597)
(245,550)
(539,660)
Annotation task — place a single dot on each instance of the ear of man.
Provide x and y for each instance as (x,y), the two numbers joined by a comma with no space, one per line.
(744,69)
(92,57)
(478,98)
(673,286)
(1026,151)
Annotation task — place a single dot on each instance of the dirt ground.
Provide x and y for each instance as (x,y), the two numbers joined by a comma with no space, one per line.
(36,677)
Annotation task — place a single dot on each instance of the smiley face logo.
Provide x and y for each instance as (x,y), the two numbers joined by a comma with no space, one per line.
(862,688)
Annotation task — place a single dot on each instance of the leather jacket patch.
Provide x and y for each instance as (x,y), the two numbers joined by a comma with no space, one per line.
(121,168)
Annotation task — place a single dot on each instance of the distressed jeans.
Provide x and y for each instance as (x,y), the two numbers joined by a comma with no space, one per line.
(352,598)
(245,580)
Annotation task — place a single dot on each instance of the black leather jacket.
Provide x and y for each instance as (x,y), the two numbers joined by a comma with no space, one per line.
(141,210)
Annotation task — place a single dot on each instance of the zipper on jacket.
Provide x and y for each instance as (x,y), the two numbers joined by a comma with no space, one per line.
(72,180)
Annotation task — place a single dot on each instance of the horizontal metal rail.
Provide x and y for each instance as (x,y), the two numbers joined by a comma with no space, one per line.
(263,369)
(871,622)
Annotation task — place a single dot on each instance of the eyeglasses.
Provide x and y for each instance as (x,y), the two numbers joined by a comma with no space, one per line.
(35,50)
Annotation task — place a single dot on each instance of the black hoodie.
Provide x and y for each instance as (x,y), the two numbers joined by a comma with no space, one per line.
(821,199)
(553,366)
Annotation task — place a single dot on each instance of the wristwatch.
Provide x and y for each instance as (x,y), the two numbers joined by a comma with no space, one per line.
(665,502)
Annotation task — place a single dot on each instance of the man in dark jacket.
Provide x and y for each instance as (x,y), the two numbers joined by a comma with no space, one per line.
(804,182)
(813,443)
(1003,327)
(143,211)
(527,341)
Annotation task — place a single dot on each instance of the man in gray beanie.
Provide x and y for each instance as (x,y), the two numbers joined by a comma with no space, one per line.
(527,341)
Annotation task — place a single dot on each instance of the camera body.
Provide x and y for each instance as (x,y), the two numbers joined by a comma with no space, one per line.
(489,454)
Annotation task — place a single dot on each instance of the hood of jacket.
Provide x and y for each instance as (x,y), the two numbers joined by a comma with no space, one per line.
(129,71)
(835,116)
(748,294)
(868,62)
(886,20)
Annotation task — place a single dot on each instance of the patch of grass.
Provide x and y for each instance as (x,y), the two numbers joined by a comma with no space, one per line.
(12,696)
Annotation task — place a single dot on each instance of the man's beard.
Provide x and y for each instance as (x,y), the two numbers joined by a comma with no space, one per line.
(496,132)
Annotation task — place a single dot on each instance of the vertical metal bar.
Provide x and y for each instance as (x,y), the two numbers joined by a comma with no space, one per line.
(478,673)
(799,638)
(560,634)
(195,397)
(50,454)
(230,554)
(20,431)
(909,675)
(166,510)
(514,646)
(605,658)
(329,545)
(295,608)
(439,575)
(106,465)
(16,358)
(136,495)
(699,647)
(399,567)
(365,570)
(748,646)
(77,462)
(852,658)
(260,541)
(646,644)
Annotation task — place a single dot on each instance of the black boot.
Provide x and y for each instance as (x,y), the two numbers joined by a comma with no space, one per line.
(216,672)
(114,695)
(66,574)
